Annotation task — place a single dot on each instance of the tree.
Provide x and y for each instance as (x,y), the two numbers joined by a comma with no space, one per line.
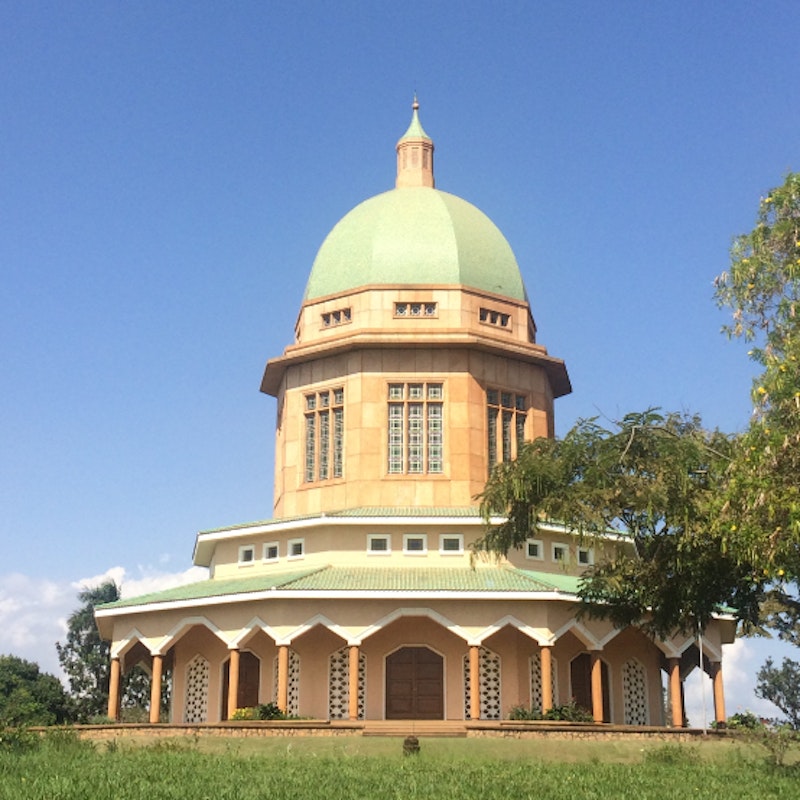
(761,518)
(762,290)
(781,686)
(84,657)
(31,697)
(656,479)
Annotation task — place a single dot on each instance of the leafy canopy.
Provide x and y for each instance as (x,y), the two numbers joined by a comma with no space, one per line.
(761,518)
(31,697)
(85,658)
(781,686)
(654,482)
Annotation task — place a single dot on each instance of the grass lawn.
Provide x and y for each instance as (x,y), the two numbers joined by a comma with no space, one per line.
(62,768)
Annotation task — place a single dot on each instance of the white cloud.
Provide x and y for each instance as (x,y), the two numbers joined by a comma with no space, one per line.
(740,664)
(34,610)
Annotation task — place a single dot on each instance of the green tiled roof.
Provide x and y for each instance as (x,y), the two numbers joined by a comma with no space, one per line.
(366,579)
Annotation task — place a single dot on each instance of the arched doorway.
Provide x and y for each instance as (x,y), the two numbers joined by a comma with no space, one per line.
(580,674)
(249,676)
(414,684)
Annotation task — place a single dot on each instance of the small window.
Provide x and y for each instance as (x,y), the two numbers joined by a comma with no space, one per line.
(534,549)
(451,544)
(560,552)
(377,544)
(271,551)
(247,554)
(294,548)
(415,544)
(585,556)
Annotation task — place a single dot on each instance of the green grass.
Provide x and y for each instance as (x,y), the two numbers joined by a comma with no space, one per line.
(375,769)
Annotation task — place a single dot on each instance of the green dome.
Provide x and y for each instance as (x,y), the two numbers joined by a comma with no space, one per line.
(416,236)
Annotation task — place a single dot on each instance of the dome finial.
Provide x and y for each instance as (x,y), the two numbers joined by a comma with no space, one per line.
(415,153)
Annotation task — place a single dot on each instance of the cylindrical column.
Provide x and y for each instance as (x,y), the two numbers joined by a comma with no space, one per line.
(675,693)
(113,689)
(597,687)
(474,682)
(155,688)
(233,683)
(719,692)
(547,678)
(283,678)
(353,682)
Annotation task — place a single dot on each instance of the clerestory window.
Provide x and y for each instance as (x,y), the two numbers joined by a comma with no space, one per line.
(324,435)
(416,428)
(506,413)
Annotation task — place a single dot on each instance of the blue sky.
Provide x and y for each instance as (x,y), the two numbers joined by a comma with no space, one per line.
(168,171)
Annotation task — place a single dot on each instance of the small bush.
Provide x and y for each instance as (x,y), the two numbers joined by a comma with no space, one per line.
(672,754)
(567,712)
(263,711)
(745,720)
(17,740)
(522,713)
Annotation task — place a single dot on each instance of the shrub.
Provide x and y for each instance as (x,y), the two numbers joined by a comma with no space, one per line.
(17,740)
(567,712)
(263,711)
(672,754)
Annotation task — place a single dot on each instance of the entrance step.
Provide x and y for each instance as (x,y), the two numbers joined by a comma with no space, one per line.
(415,727)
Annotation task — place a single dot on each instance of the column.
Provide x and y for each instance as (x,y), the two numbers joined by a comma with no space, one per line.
(675,693)
(474,682)
(597,687)
(233,683)
(353,682)
(155,688)
(283,678)
(113,689)
(546,655)
(719,693)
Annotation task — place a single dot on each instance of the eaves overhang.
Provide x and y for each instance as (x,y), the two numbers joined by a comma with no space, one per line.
(377,339)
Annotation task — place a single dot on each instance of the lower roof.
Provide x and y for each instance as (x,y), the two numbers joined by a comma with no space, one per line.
(357,581)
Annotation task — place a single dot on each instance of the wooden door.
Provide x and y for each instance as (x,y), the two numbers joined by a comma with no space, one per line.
(414,684)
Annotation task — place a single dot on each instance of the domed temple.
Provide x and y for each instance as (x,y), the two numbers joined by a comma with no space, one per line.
(414,369)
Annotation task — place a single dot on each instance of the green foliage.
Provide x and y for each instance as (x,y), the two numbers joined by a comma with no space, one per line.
(85,659)
(781,686)
(567,712)
(657,479)
(17,740)
(84,656)
(672,754)
(744,720)
(31,697)
(262,711)
(761,519)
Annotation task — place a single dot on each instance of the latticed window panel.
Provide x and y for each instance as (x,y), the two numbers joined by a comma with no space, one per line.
(338,442)
(435,438)
(634,693)
(490,681)
(506,414)
(324,444)
(416,428)
(324,435)
(537,698)
(311,447)
(339,684)
(196,701)
(293,693)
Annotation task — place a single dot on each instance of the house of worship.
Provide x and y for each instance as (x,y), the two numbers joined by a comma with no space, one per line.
(415,367)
